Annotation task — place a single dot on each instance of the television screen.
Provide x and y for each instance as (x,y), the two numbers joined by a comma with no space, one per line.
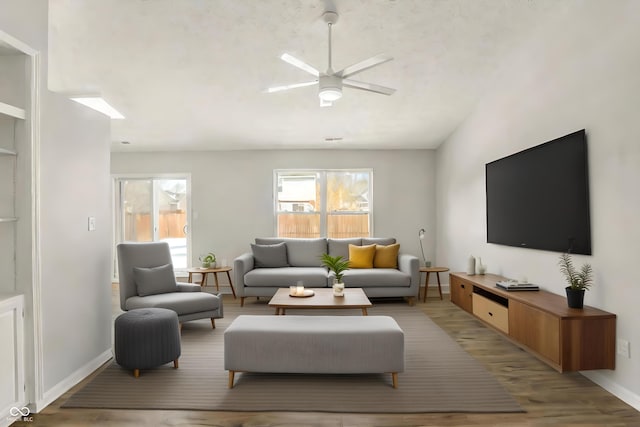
(539,198)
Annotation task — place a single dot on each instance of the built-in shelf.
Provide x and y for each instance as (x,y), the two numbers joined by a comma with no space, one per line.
(10,110)
(8,219)
(4,152)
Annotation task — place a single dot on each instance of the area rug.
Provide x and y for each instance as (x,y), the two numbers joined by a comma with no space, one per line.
(439,377)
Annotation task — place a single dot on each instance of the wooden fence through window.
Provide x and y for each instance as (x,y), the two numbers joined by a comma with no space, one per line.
(338,225)
(138,226)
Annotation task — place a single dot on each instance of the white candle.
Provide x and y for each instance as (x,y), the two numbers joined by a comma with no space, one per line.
(299,290)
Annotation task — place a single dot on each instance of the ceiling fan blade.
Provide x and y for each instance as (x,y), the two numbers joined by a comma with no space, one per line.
(368,86)
(300,64)
(364,65)
(291,86)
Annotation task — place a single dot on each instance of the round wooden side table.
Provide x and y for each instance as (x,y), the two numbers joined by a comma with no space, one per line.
(430,270)
(215,271)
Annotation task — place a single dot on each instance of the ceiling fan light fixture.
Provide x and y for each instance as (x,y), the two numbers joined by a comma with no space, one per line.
(330,88)
(330,94)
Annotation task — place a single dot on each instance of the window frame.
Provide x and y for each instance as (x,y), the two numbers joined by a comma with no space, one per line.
(324,213)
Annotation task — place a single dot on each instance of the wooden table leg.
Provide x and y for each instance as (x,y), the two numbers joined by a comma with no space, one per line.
(233,291)
(426,286)
(190,277)
(215,277)
(364,311)
(203,283)
(439,287)
(231,375)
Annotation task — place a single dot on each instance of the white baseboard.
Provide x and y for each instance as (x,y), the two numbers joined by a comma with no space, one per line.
(614,388)
(73,379)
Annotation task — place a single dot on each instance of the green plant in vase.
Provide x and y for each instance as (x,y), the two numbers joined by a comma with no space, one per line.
(338,265)
(208,260)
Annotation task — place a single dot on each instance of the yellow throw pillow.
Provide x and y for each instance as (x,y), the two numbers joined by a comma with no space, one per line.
(386,256)
(361,256)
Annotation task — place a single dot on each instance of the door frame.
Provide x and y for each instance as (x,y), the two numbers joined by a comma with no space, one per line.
(115,192)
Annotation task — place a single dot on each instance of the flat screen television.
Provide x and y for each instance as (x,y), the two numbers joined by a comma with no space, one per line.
(539,198)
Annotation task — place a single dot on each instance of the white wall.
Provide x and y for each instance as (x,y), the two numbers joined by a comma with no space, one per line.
(232,191)
(579,71)
(72,303)
(75,268)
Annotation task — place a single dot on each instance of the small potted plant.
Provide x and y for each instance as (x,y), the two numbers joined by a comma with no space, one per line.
(208,260)
(579,280)
(338,265)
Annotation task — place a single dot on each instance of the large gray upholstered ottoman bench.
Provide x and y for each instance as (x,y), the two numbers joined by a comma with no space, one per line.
(314,345)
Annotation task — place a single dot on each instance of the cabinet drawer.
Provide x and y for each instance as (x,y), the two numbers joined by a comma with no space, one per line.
(460,293)
(491,312)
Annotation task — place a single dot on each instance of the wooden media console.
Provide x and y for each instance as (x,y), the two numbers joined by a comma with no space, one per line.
(540,322)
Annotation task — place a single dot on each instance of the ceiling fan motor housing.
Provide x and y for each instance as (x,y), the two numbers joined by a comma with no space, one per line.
(330,87)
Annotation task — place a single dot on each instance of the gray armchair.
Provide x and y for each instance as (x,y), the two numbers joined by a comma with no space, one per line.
(147,280)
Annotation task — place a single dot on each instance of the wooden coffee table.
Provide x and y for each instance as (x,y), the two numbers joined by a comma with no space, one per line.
(323,298)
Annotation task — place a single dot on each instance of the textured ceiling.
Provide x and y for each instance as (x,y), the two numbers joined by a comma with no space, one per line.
(190,74)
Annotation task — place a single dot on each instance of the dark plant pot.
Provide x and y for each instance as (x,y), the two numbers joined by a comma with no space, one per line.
(575,297)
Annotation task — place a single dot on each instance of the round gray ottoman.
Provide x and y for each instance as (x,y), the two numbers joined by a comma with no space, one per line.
(146,338)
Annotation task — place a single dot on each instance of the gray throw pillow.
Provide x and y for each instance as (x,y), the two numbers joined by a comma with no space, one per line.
(270,255)
(155,280)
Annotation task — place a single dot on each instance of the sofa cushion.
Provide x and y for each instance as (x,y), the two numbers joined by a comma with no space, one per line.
(312,277)
(340,247)
(300,252)
(375,278)
(386,256)
(361,256)
(270,256)
(154,280)
(378,241)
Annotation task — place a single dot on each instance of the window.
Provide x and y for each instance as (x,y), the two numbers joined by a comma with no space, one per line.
(323,203)
(152,209)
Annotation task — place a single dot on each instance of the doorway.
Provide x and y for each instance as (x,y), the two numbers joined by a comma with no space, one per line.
(154,209)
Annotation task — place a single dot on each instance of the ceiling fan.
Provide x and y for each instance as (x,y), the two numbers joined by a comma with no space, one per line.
(330,83)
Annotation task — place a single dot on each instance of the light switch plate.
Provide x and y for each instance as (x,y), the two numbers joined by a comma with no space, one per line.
(92,223)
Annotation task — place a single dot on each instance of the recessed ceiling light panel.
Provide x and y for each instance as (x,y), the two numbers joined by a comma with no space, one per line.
(99,104)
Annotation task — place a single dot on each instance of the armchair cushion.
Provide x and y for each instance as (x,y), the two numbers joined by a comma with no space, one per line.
(154,280)
(189,287)
(183,303)
(270,256)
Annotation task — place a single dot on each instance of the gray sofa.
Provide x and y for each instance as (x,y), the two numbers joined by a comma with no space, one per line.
(303,263)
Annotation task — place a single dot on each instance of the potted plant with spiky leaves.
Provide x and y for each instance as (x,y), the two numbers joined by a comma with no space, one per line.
(338,265)
(579,280)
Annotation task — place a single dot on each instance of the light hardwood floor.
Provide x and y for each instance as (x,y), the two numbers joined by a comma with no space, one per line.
(550,398)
